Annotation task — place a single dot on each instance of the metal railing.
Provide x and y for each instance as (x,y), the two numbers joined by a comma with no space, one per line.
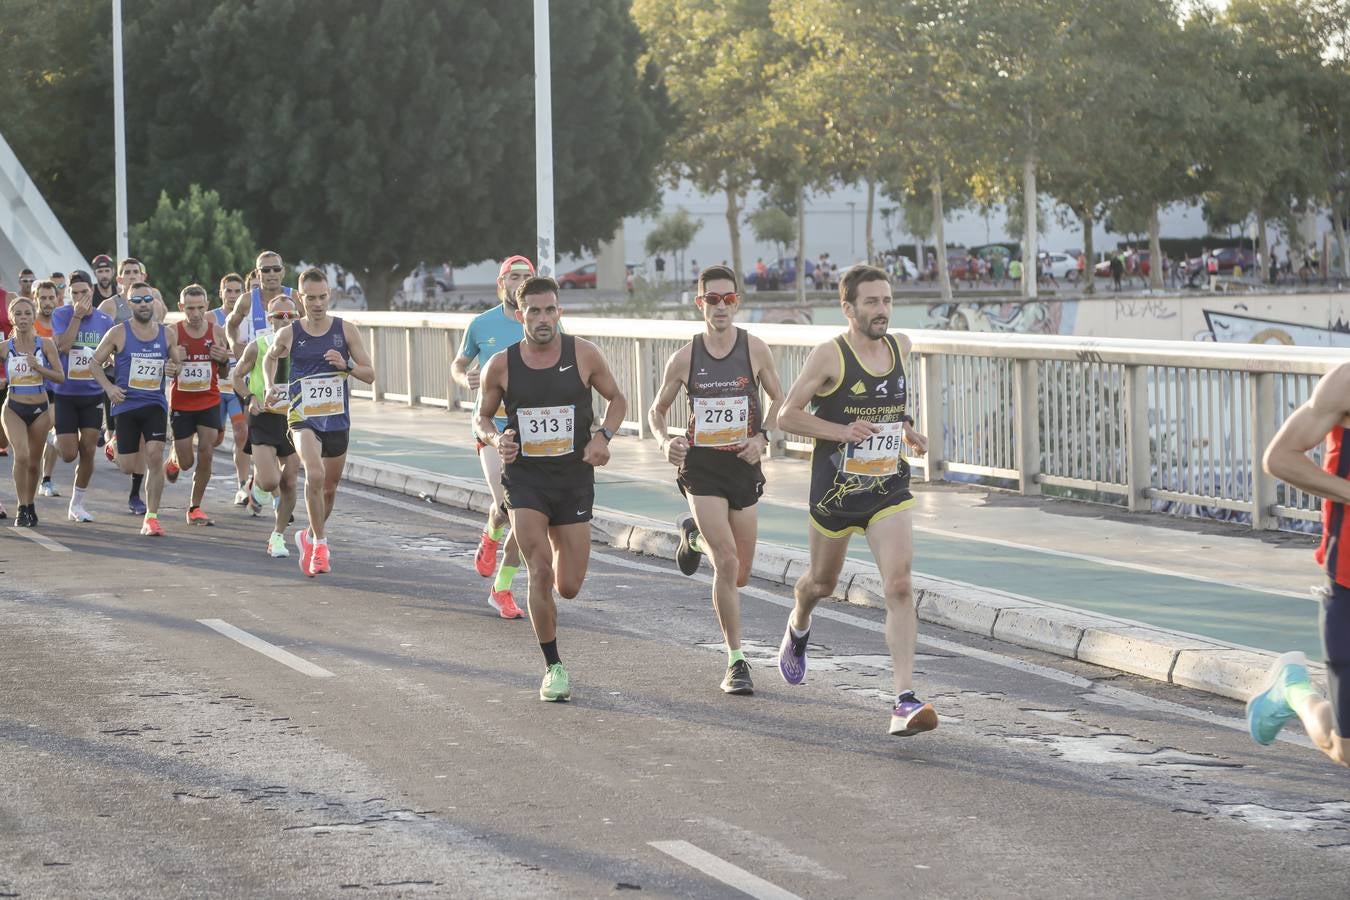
(1149,425)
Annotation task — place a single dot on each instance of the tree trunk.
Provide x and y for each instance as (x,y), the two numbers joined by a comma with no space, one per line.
(1338,212)
(1029,249)
(940,238)
(871,209)
(801,245)
(1155,279)
(1089,284)
(379,284)
(734,227)
(1262,248)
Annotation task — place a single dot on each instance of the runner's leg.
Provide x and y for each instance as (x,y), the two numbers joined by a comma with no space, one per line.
(17,433)
(571,557)
(308,447)
(532,531)
(206,443)
(712,515)
(892,543)
(151,459)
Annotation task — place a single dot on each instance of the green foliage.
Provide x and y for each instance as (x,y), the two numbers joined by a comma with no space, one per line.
(195,240)
(674,232)
(774,226)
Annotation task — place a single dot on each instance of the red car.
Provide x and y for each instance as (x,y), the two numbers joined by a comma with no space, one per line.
(583,277)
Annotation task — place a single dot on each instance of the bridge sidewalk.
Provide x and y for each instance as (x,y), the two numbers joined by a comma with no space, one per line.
(1164,595)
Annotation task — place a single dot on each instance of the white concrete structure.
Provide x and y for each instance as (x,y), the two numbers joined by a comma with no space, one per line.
(30,234)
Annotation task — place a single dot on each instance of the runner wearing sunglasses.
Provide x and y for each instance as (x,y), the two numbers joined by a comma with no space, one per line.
(196,397)
(718,458)
(269,442)
(145,353)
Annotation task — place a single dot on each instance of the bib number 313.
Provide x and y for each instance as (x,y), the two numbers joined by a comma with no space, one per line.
(546,430)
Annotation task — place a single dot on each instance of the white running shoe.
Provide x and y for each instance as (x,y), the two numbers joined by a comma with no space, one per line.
(78,514)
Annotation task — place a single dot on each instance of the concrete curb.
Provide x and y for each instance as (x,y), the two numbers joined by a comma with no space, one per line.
(1183,659)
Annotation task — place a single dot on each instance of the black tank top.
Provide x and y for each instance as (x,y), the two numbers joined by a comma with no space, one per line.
(858,479)
(550,411)
(723,396)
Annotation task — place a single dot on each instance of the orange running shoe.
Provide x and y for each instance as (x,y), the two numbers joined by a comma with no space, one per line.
(485,561)
(198,516)
(110,449)
(306,546)
(320,561)
(171,471)
(152,527)
(505,605)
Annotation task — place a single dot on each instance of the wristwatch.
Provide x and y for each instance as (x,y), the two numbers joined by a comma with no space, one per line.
(609,435)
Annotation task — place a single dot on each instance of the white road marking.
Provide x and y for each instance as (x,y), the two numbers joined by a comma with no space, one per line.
(1101,693)
(723,871)
(271,651)
(52,545)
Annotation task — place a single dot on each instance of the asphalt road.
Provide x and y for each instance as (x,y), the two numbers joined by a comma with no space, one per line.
(145,753)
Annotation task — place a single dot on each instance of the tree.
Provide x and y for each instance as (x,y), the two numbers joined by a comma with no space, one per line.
(774,226)
(195,240)
(374,136)
(673,234)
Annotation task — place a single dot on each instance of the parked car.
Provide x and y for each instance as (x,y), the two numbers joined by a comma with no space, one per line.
(584,276)
(781,274)
(1229,258)
(1061,265)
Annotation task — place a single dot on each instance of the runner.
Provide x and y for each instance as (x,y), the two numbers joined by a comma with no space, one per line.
(203,354)
(1288,692)
(26,279)
(323,352)
(859,479)
(130,272)
(30,364)
(248,319)
(545,382)
(232,404)
(721,371)
(489,332)
(145,354)
(270,444)
(48,297)
(79,401)
(104,289)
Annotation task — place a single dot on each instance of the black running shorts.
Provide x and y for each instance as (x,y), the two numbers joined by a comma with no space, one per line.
(186,422)
(720,473)
(332,444)
(77,412)
(563,503)
(148,423)
(269,430)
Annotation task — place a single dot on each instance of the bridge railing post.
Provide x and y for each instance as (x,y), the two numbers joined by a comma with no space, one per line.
(932,419)
(1027,425)
(376,386)
(1138,458)
(1261,427)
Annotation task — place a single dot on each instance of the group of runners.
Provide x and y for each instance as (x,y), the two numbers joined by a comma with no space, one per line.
(271,361)
(539,441)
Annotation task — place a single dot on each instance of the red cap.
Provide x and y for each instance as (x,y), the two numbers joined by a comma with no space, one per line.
(515,264)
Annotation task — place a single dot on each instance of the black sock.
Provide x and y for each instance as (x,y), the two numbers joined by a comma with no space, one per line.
(194,508)
(136,485)
(46,479)
(551,652)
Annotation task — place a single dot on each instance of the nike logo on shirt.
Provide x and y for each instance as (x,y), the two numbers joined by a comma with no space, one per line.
(563,368)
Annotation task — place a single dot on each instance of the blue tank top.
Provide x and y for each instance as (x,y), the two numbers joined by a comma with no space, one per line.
(256,322)
(140,370)
(23,379)
(318,388)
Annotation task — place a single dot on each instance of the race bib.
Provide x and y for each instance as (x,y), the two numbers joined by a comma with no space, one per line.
(195,376)
(879,455)
(81,361)
(721,421)
(284,403)
(322,395)
(22,373)
(546,430)
(146,373)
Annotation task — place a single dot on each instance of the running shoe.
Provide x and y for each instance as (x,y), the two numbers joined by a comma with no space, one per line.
(77,513)
(3,514)
(136,506)
(306,548)
(504,602)
(152,527)
(319,563)
(1268,710)
(32,516)
(686,557)
(912,716)
(241,495)
(254,507)
(276,546)
(47,489)
(556,685)
(485,560)
(22,520)
(792,656)
(171,470)
(738,680)
(110,449)
(198,516)
(259,495)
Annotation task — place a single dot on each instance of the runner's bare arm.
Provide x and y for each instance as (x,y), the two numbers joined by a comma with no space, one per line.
(161,311)
(491,392)
(108,307)
(1287,456)
(766,373)
(177,353)
(243,368)
(106,349)
(598,375)
(281,347)
(241,308)
(56,373)
(362,369)
(674,448)
(819,374)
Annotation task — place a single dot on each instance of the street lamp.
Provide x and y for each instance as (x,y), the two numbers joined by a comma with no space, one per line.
(119,133)
(543,141)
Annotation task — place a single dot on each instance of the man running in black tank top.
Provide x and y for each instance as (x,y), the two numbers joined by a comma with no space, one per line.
(718,457)
(859,479)
(549,455)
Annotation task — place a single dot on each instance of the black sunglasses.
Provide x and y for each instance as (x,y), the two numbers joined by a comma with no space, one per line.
(269,270)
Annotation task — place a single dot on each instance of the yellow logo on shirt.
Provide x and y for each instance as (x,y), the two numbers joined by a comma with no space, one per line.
(858,388)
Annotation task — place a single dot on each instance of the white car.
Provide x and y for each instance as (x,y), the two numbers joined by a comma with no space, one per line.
(1060,265)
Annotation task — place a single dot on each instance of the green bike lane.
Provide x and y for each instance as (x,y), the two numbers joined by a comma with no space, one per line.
(1225,612)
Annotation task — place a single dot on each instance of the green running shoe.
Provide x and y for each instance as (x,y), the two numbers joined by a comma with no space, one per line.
(276,546)
(1269,710)
(556,685)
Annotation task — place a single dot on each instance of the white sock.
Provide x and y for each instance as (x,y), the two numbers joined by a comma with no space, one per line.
(800,634)
(77,496)
(322,542)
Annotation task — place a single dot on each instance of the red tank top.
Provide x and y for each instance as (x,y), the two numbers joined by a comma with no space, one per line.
(196,387)
(1333,554)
